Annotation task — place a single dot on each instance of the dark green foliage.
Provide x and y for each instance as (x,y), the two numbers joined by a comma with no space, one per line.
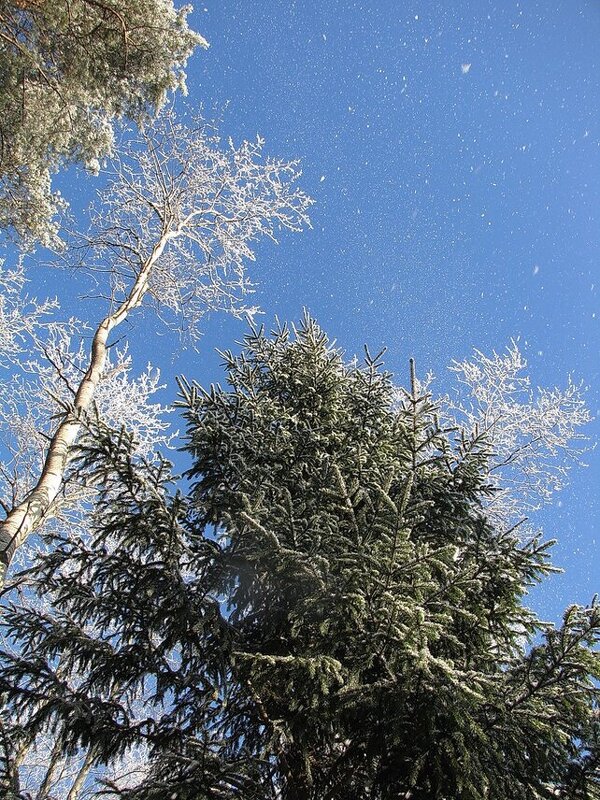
(328,615)
(128,607)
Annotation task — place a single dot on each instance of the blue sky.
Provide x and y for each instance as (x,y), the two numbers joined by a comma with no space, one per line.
(453,151)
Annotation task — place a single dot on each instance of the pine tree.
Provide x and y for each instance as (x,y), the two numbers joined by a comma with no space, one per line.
(71,69)
(326,612)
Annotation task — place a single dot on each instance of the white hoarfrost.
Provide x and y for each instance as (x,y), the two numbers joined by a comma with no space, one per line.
(20,316)
(175,227)
(534,435)
(208,201)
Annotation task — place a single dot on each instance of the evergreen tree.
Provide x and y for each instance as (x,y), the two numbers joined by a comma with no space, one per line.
(70,70)
(328,612)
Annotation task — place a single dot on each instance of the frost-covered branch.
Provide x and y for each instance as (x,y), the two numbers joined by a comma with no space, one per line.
(209,202)
(534,436)
(35,397)
(20,315)
(33,400)
(177,225)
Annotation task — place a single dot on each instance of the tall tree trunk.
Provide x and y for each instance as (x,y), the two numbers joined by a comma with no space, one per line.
(81,776)
(25,517)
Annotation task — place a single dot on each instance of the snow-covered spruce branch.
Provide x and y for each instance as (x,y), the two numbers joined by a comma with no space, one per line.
(176,224)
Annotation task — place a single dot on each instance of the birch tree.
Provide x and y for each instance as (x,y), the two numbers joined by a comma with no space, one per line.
(174,229)
(70,69)
(533,436)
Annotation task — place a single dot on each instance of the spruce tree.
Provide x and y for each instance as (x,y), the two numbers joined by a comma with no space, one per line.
(326,612)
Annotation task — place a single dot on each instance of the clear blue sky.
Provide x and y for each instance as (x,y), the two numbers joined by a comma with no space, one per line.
(453,150)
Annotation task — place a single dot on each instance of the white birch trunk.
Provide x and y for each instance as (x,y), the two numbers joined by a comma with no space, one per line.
(81,776)
(25,517)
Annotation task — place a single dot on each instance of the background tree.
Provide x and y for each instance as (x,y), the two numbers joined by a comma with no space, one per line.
(70,68)
(534,436)
(329,613)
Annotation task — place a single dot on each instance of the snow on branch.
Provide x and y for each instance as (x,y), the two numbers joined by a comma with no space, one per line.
(34,398)
(534,436)
(208,202)
(20,315)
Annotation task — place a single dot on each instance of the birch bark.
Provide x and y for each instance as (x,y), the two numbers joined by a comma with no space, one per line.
(177,223)
(27,515)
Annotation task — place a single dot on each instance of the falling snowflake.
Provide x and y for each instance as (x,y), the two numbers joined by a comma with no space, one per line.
(464,68)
